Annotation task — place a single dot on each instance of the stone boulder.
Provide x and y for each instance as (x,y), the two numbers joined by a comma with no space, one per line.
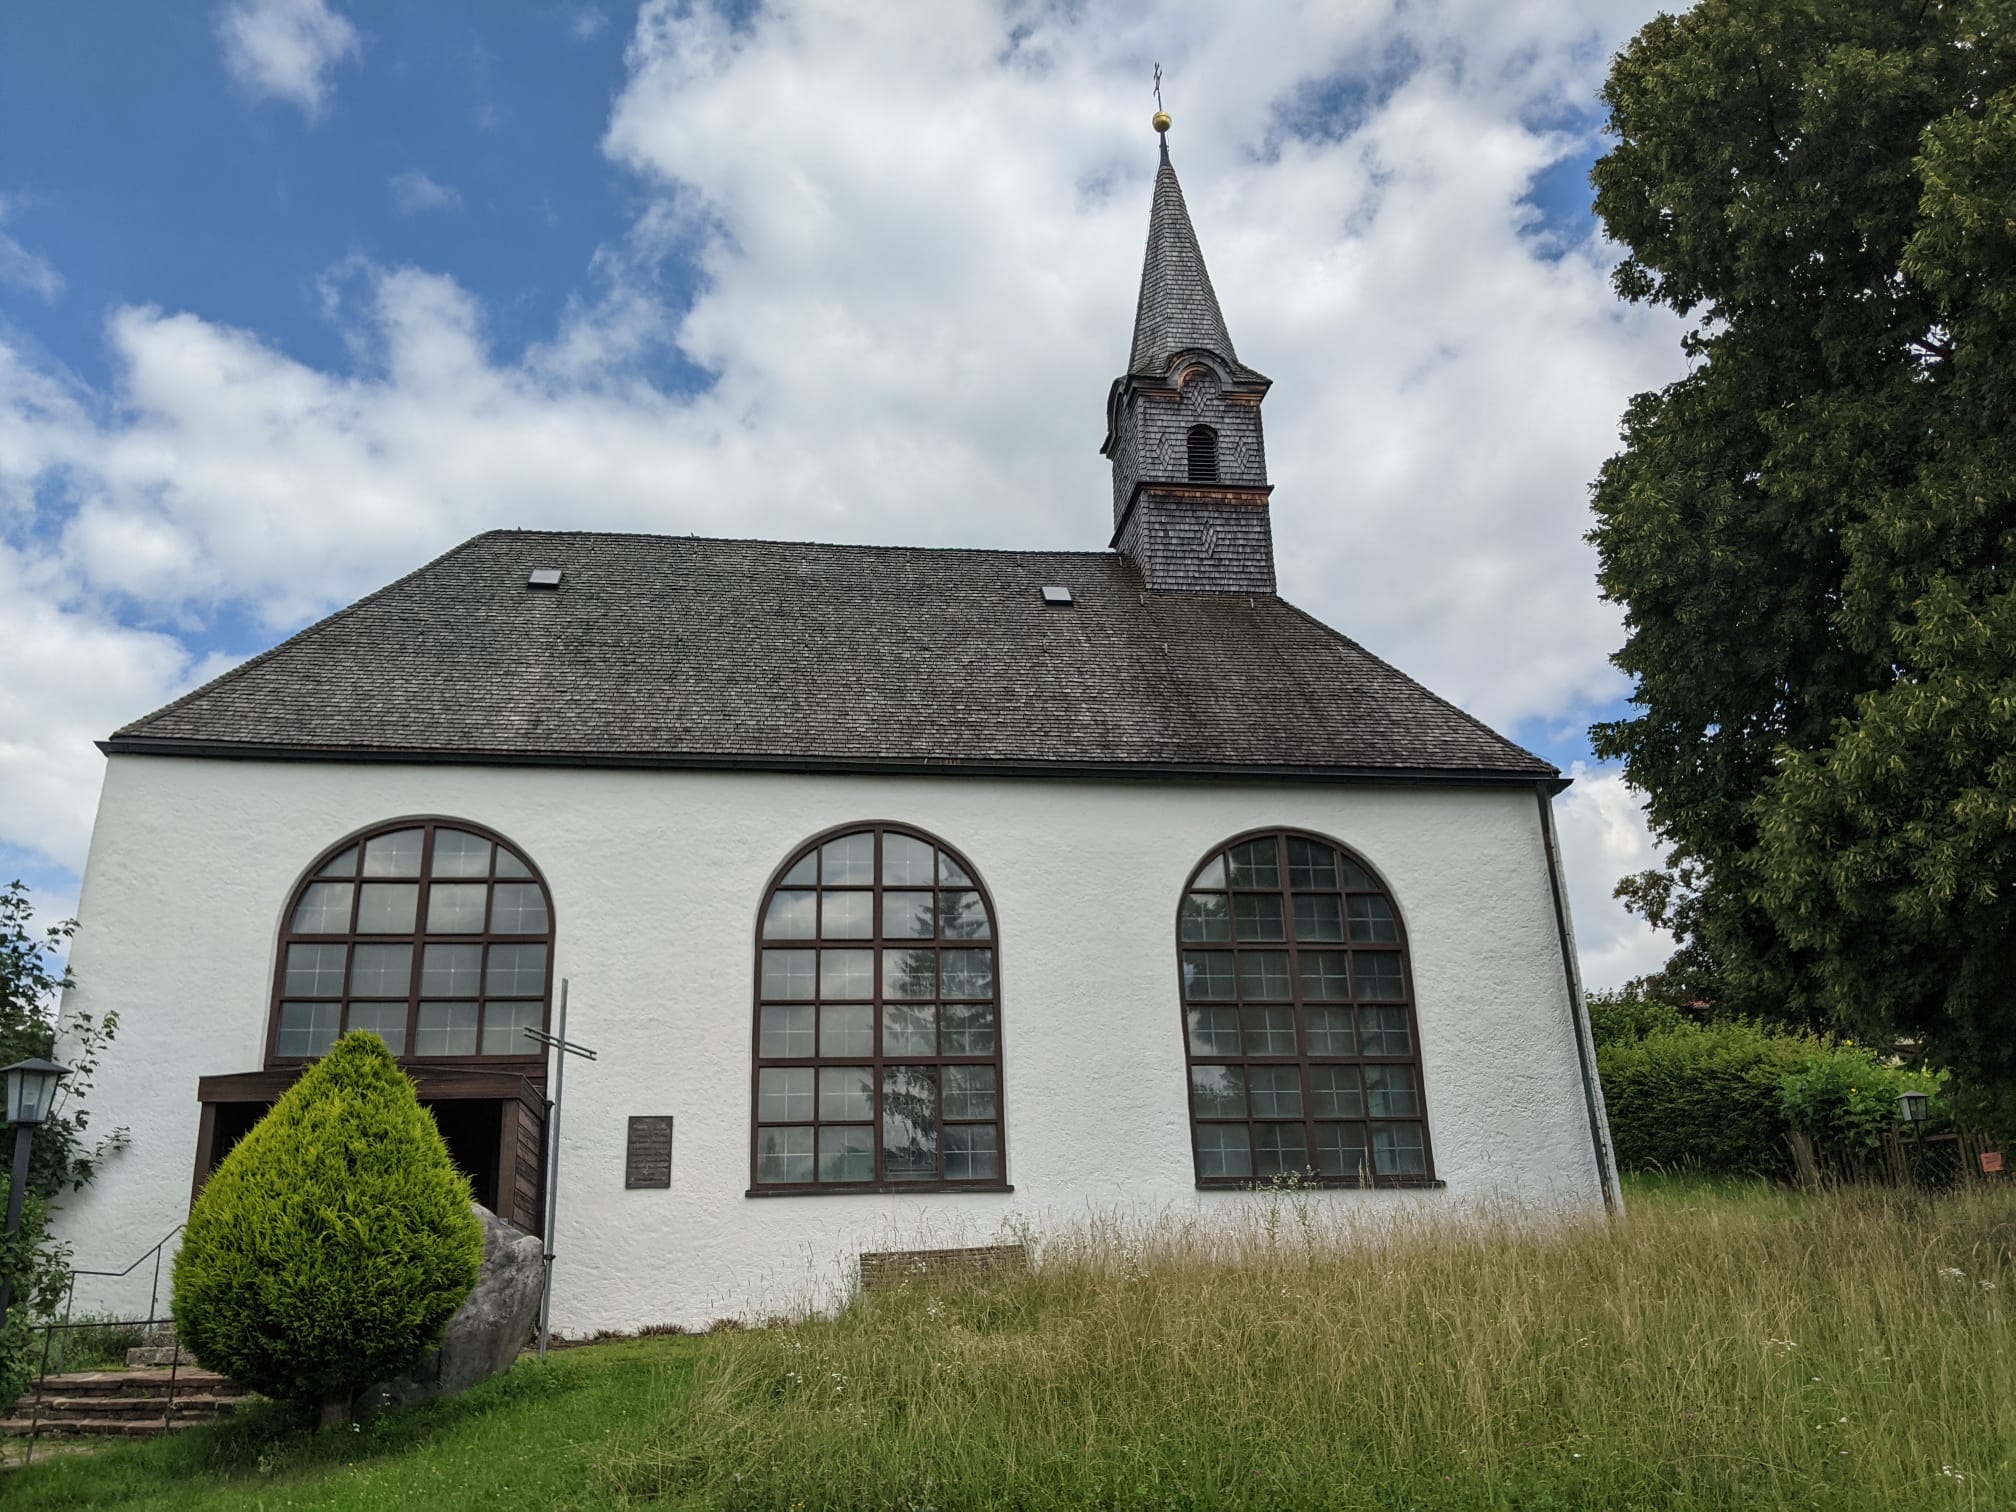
(495,1321)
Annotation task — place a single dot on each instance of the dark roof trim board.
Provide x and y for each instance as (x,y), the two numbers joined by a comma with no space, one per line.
(131,745)
(676,651)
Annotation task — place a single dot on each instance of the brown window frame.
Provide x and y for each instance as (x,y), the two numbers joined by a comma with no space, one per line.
(531,1062)
(1305,1063)
(782,880)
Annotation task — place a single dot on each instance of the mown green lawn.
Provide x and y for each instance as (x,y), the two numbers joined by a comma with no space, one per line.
(1728,1346)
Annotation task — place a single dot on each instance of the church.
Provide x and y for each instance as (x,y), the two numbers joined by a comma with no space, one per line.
(907,897)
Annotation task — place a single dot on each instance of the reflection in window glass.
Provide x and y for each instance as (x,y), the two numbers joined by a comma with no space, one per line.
(459,854)
(898,1035)
(446,1029)
(324,909)
(518,908)
(381,970)
(459,908)
(451,970)
(387,907)
(315,970)
(517,970)
(509,865)
(308,1028)
(386,1020)
(394,855)
(1297,1020)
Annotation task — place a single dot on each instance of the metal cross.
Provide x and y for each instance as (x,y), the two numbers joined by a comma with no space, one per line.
(1158,86)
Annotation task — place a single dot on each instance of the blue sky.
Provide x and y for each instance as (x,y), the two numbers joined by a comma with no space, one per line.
(294,293)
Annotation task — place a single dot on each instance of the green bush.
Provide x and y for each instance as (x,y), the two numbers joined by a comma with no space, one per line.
(1627,1014)
(1847,1099)
(1703,1098)
(334,1243)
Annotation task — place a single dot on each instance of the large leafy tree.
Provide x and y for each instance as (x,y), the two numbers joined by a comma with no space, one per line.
(1811,532)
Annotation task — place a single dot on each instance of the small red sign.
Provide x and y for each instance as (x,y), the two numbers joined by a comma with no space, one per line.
(1991,1162)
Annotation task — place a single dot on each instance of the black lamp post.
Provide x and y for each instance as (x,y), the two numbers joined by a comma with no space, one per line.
(31,1089)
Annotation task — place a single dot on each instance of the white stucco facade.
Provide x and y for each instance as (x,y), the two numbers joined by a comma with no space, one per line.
(657,878)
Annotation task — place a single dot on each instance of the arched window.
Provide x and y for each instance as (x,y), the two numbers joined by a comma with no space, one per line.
(1203,454)
(878,1028)
(1298,1019)
(431,933)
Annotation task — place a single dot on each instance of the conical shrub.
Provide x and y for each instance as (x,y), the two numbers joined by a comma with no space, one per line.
(334,1243)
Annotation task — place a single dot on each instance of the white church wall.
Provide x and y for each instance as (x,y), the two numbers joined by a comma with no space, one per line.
(657,878)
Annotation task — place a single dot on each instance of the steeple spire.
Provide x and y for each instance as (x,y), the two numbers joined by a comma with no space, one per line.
(1190,482)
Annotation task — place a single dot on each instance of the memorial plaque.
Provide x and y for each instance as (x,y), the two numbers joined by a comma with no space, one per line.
(648,1159)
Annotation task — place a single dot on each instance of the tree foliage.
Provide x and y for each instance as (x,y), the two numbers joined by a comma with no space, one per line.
(1811,532)
(330,1248)
(64,1153)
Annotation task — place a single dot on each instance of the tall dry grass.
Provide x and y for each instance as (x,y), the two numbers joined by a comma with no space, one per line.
(1853,1351)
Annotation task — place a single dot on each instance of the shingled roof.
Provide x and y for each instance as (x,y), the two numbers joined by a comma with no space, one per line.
(1178,309)
(676,651)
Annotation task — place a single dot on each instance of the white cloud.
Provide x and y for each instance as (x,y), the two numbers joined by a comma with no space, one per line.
(1603,839)
(23,269)
(918,232)
(586,23)
(286,49)
(413,192)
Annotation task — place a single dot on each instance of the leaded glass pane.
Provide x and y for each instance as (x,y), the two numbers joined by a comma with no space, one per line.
(906,862)
(1318,918)
(967,973)
(1325,978)
(1207,976)
(1275,1091)
(785,1031)
(968,1028)
(1331,1031)
(308,1028)
(447,1029)
(847,915)
(909,1029)
(846,1154)
(783,1155)
(342,864)
(1256,863)
(393,855)
(1218,1091)
(1213,874)
(1356,877)
(1372,919)
(972,1153)
(970,1092)
(1263,976)
(845,1029)
(1377,976)
(849,860)
(1390,1092)
(510,864)
(1386,1031)
(789,973)
(846,1094)
(381,970)
(908,916)
(784,1093)
(451,970)
(911,973)
(790,916)
(1398,1150)
(910,1123)
(1224,1150)
(804,872)
(951,873)
(324,908)
(457,853)
(1269,1031)
(1204,917)
(516,971)
(1334,1092)
(846,974)
(457,908)
(1213,1031)
(504,1026)
(387,907)
(1340,1149)
(1257,916)
(962,916)
(386,1020)
(518,908)
(1311,864)
(1279,1148)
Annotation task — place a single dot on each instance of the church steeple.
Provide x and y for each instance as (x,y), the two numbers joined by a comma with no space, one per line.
(1190,482)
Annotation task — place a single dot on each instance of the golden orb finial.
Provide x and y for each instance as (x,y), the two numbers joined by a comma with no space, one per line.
(1161,121)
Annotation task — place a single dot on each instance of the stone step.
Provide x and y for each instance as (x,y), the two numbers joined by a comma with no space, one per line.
(97,1427)
(196,1404)
(141,1356)
(152,1384)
